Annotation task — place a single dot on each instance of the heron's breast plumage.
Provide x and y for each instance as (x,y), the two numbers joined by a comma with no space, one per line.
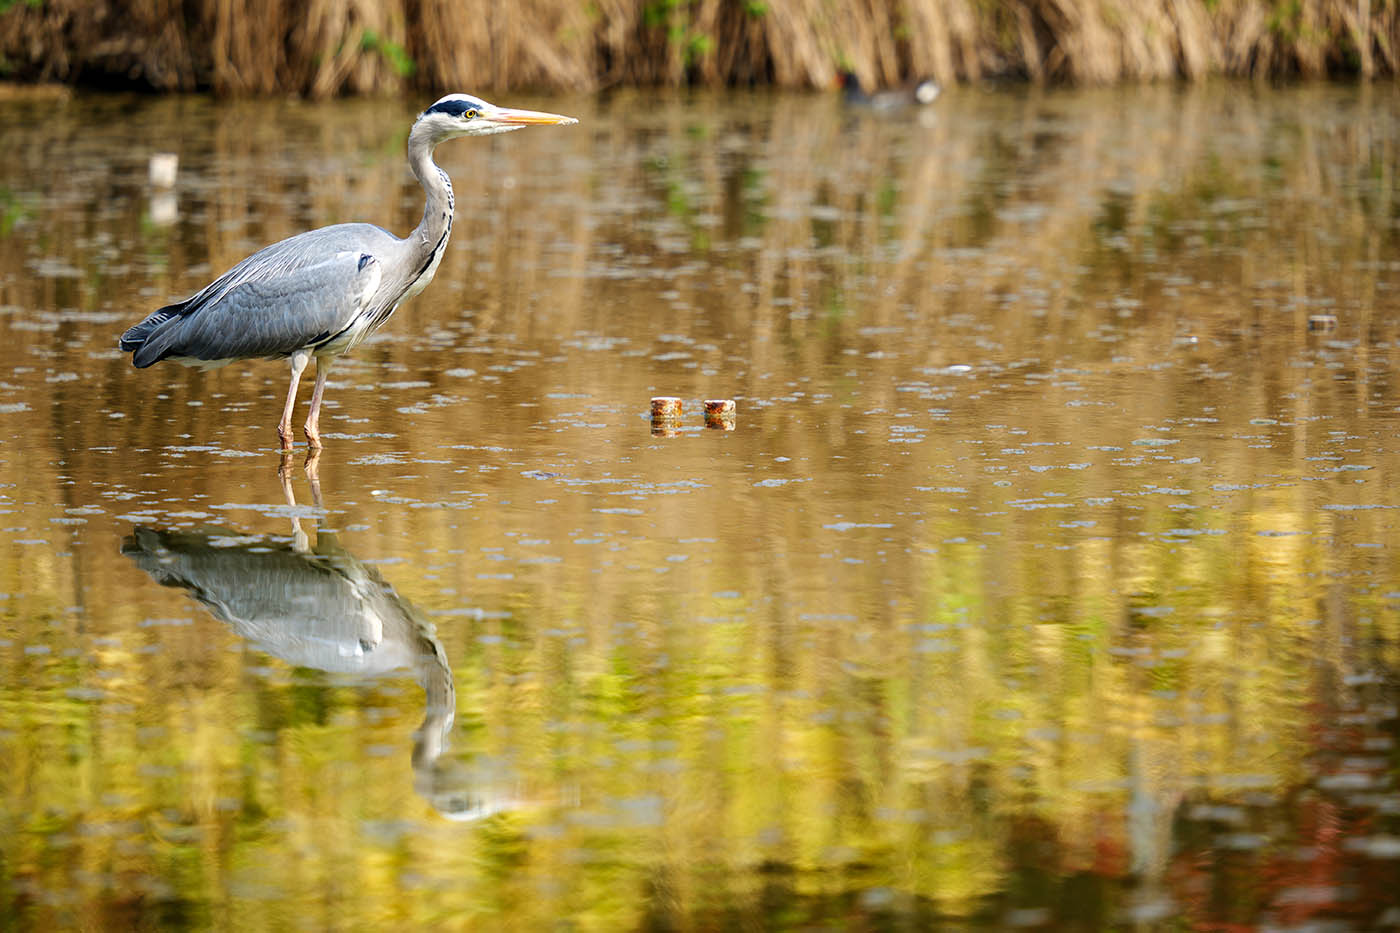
(394,291)
(428,269)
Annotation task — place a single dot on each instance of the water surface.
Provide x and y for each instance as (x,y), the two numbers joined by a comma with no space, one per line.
(1049,578)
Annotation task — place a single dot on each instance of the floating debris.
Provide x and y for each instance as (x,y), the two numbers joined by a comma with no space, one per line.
(665,416)
(163,168)
(666,406)
(719,413)
(1322,323)
(719,406)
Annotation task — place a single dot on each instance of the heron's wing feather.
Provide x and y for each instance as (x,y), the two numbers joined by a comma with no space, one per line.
(273,306)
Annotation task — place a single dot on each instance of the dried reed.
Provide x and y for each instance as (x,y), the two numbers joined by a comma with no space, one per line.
(322,48)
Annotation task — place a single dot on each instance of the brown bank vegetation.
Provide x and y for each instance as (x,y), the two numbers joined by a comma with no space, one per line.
(320,48)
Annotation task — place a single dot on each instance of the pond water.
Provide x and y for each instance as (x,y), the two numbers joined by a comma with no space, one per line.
(1048,578)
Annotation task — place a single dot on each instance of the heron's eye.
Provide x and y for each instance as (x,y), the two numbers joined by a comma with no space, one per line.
(470,115)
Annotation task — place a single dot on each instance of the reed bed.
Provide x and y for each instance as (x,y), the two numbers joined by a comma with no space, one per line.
(324,48)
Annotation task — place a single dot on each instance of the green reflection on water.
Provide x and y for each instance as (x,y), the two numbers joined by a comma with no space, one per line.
(1047,579)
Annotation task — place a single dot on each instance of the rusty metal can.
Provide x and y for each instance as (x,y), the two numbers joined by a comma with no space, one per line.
(719,413)
(666,406)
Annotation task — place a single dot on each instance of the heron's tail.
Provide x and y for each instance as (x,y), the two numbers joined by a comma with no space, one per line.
(146,342)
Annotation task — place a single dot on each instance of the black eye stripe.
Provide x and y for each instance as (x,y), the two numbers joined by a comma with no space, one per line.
(453,108)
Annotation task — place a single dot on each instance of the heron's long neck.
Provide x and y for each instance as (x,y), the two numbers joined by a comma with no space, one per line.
(429,238)
(435,676)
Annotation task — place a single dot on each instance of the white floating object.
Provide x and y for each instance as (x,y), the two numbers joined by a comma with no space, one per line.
(163,169)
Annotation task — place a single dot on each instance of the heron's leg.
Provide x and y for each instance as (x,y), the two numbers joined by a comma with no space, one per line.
(313,419)
(284,427)
(300,542)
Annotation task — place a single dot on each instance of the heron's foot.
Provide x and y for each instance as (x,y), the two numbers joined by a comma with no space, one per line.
(284,434)
(313,436)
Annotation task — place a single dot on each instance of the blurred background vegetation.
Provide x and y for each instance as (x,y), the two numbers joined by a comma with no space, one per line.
(323,48)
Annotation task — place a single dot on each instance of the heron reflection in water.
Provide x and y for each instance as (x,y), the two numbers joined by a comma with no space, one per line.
(321,607)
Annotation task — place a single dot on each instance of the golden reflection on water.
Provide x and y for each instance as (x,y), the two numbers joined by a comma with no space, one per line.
(1046,579)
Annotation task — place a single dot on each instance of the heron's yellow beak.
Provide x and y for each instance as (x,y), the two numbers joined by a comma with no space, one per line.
(528,118)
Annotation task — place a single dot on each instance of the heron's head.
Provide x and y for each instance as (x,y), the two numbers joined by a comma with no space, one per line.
(464,115)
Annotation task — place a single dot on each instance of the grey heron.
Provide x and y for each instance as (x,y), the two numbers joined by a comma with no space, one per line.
(322,292)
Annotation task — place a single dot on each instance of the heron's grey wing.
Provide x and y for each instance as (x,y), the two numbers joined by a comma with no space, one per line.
(272,304)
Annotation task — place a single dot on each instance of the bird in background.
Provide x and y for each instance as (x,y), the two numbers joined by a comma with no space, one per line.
(920,94)
(322,292)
